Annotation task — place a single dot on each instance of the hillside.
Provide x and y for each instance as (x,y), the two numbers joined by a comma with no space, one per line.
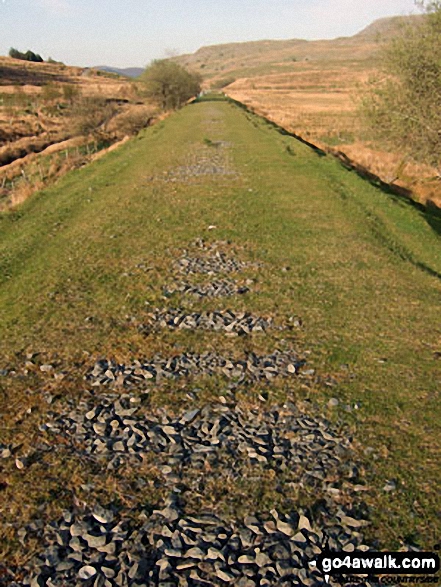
(34,76)
(34,96)
(257,58)
(385,28)
(63,113)
(218,356)
(125,72)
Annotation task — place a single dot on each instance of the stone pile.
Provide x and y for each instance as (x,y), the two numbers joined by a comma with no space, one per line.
(227,438)
(215,264)
(204,167)
(173,546)
(169,548)
(234,323)
(104,547)
(211,259)
(251,368)
(209,160)
(214,289)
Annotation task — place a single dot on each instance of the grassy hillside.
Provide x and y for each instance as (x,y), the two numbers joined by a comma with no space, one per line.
(63,113)
(34,76)
(359,267)
(258,58)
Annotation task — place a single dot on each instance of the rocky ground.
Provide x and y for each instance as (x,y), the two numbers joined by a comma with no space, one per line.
(177,544)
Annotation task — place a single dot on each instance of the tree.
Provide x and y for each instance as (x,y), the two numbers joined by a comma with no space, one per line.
(170,84)
(404,107)
(28,56)
(31,56)
(15,53)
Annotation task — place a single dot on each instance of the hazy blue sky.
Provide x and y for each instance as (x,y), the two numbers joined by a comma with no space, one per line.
(132,32)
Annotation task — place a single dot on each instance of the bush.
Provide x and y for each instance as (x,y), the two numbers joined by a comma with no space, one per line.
(170,84)
(50,92)
(132,122)
(70,92)
(53,62)
(90,116)
(404,108)
(19,98)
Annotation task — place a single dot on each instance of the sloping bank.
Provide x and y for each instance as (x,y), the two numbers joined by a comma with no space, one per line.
(433,202)
(25,175)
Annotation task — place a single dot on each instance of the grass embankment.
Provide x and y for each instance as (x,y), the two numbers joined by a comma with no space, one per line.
(52,117)
(360,267)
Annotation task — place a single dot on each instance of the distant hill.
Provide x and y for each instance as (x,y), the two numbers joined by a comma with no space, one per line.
(387,27)
(126,72)
(258,58)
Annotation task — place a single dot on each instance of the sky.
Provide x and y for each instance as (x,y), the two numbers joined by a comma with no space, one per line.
(130,33)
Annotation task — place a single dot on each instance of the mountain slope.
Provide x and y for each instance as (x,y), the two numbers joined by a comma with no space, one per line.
(387,27)
(255,58)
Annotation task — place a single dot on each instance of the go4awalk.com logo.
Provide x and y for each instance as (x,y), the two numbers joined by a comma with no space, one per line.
(333,564)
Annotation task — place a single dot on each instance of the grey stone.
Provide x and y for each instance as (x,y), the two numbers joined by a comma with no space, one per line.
(86,572)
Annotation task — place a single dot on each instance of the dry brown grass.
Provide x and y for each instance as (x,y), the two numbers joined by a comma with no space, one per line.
(317,101)
(33,104)
(21,179)
(46,109)
(262,58)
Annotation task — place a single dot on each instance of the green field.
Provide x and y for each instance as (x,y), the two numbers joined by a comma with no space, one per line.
(360,267)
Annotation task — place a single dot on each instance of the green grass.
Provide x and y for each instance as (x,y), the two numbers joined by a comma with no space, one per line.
(364,274)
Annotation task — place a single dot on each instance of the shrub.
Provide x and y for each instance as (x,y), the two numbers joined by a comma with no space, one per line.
(170,84)
(404,108)
(54,62)
(131,121)
(70,92)
(50,92)
(90,116)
